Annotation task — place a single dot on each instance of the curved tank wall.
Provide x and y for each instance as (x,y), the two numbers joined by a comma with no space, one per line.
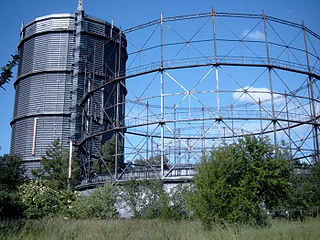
(44,85)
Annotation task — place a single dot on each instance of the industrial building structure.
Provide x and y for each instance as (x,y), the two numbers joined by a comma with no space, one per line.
(55,53)
(201,80)
(181,85)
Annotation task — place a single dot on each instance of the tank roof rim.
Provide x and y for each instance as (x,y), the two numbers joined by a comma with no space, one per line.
(54,15)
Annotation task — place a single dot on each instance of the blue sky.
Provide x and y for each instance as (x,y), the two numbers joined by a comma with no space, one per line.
(127,13)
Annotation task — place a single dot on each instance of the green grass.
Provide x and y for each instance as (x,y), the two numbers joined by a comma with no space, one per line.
(152,229)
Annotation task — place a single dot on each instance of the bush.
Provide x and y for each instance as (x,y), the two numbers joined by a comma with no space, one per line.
(239,182)
(175,203)
(11,177)
(55,165)
(40,200)
(100,204)
(145,198)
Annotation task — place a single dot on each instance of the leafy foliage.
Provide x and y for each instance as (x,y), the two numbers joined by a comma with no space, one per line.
(238,182)
(154,161)
(148,199)
(11,176)
(177,206)
(143,197)
(55,165)
(6,71)
(41,201)
(315,183)
(108,152)
(100,204)
(308,186)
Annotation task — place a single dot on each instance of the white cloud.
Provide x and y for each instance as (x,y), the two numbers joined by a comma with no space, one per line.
(254,35)
(252,93)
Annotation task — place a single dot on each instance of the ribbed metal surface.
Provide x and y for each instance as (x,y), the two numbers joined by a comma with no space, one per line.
(43,93)
(43,87)
(47,52)
(45,83)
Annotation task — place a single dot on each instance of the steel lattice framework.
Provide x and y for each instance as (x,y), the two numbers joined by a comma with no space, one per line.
(196,81)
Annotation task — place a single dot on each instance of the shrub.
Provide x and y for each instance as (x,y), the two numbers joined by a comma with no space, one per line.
(238,182)
(55,167)
(40,200)
(11,177)
(145,198)
(100,203)
(148,199)
(175,203)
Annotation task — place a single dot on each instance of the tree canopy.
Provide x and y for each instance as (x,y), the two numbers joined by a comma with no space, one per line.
(240,181)
(6,71)
(154,161)
(108,154)
(11,177)
(55,165)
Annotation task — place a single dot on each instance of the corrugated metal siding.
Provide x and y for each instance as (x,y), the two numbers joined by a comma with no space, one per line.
(47,54)
(46,94)
(52,51)
(26,61)
(48,24)
(49,128)
(94,27)
(43,93)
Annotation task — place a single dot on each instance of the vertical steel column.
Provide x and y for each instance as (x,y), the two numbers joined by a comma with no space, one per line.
(75,78)
(203,132)
(232,127)
(174,133)
(90,107)
(260,116)
(179,146)
(274,120)
(218,117)
(162,101)
(102,111)
(214,36)
(152,150)
(102,93)
(117,108)
(84,121)
(147,143)
(288,121)
(189,150)
(84,115)
(311,101)
(117,132)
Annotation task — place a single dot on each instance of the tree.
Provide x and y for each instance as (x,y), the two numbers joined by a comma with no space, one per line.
(100,203)
(177,206)
(11,177)
(108,153)
(315,183)
(154,161)
(237,183)
(6,71)
(145,198)
(40,200)
(55,164)
(308,186)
